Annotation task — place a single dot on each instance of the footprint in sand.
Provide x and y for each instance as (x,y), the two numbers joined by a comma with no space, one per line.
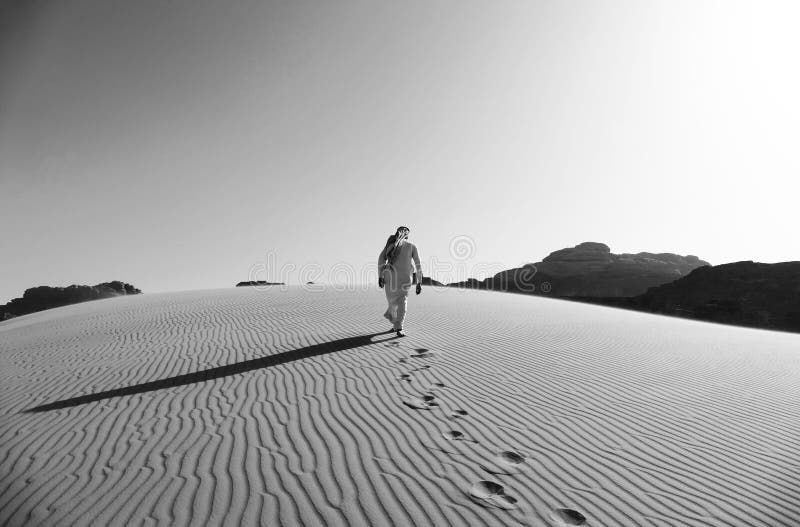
(405,377)
(425,402)
(458,414)
(506,462)
(455,435)
(568,517)
(491,494)
(422,353)
(427,366)
(436,386)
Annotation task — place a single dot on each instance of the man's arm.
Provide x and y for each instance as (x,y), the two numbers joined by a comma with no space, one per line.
(381,262)
(417,266)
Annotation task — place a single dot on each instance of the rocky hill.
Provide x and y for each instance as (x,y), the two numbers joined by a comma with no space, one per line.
(46,297)
(590,269)
(428,281)
(744,293)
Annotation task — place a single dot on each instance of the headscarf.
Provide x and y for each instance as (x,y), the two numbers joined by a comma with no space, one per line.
(395,241)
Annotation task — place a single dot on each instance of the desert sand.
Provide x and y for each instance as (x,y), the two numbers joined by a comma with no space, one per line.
(293,407)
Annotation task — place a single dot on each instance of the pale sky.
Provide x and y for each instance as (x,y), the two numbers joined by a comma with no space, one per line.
(179,144)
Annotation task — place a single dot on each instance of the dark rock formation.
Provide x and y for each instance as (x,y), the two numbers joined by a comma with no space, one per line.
(743,293)
(428,281)
(590,269)
(258,282)
(46,297)
(474,283)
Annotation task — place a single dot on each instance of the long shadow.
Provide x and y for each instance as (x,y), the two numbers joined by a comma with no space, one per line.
(216,373)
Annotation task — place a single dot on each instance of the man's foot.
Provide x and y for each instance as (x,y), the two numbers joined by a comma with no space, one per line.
(401,333)
(388,317)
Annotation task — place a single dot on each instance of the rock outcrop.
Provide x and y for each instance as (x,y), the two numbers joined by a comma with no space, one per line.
(743,293)
(258,282)
(428,281)
(590,269)
(46,297)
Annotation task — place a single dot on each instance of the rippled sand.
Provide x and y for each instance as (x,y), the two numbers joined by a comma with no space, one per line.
(294,407)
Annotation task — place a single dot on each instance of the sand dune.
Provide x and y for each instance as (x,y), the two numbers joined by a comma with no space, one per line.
(290,407)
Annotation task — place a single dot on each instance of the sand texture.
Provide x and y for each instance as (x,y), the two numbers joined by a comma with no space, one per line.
(293,407)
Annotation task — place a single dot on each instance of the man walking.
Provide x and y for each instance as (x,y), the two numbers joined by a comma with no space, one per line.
(397,262)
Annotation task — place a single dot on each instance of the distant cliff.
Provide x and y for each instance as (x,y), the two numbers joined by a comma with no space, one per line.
(743,293)
(259,282)
(46,297)
(590,269)
(747,293)
(428,281)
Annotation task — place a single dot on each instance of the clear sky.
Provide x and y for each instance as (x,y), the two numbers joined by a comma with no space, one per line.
(180,144)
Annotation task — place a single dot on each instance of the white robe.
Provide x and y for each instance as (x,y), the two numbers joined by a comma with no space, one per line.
(398,280)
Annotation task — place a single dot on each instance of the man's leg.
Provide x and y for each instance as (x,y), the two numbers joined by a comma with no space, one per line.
(389,314)
(402,304)
(390,288)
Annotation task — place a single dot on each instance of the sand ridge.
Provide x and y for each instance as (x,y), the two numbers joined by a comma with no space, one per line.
(290,407)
